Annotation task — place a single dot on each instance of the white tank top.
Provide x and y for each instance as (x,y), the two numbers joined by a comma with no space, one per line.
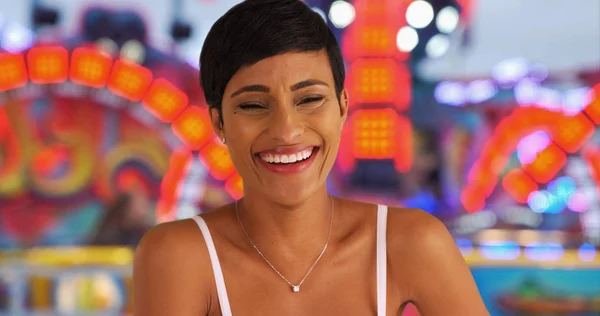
(381,263)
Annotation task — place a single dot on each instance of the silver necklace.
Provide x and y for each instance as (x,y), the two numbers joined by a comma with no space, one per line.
(295,287)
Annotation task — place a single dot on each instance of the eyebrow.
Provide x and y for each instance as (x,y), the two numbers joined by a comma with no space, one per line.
(307,83)
(265,89)
(251,88)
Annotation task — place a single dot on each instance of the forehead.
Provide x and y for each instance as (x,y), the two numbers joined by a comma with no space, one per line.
(287,68)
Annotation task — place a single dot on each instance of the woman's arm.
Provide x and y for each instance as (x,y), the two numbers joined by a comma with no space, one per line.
(440,281)
(170,272)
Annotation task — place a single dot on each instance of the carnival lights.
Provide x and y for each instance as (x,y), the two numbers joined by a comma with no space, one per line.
(89,67)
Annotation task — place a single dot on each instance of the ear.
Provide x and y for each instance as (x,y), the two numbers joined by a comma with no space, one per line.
(344,103)
(216,121)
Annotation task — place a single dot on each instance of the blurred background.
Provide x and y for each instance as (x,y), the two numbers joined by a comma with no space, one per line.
(481,112)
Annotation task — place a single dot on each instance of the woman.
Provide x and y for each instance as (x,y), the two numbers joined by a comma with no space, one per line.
(273,77)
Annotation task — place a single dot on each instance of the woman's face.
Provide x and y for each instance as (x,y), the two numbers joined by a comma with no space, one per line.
(282,122)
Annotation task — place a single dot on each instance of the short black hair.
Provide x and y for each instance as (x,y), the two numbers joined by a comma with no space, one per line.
(257,29)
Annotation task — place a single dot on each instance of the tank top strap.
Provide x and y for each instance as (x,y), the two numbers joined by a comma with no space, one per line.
(382,211)
(216,267)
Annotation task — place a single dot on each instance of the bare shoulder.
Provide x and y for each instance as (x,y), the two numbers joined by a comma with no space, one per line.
(168,242)
(172,259)
(427,264)
(420,236)
(409,227)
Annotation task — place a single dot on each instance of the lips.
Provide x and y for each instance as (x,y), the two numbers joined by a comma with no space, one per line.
(287,160)
(274,157)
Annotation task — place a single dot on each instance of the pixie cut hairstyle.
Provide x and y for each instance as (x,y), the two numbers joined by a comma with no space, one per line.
(257,29)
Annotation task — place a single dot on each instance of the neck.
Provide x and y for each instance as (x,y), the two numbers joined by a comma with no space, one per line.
(293,231)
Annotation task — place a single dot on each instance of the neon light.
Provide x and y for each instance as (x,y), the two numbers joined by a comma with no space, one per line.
(92,68)
(89,67)
(570,133)
(164,100)
(235,186)
(403,159)
(216,158)
(592,157)
(48,64)
(547,164)
(372,40)
(129,80)
(381,80)
(382,134)
(540,201)
(378,80)
(593,109)
(374,133)
(532,144)
(178,163)
(12,158)
(13,73)
(519,185)
(193,127)
(485,182)
(472,199)
(345,160)
(562,187)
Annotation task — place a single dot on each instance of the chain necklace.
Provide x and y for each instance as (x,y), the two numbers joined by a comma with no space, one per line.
(295,287)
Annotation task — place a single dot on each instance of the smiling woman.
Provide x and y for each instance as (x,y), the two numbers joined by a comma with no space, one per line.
(273,77)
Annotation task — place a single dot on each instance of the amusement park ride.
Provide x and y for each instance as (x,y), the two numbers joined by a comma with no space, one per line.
(82,116)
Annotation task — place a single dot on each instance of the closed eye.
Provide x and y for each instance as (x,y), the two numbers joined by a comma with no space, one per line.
(311,100)
(251,106)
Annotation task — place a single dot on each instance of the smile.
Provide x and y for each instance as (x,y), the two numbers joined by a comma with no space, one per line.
(288,161)
(288,158)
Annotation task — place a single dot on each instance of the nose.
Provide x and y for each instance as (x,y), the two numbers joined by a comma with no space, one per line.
(286,124)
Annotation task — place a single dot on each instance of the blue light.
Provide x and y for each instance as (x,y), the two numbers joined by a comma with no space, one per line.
(539,201)
(500,250)
(587,252)
(465,246)
(546,202)
(544,251)
(563,188)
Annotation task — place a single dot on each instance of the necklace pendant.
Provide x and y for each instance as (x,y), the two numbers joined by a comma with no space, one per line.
(296,288)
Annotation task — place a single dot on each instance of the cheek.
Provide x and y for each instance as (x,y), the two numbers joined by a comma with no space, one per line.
(240,130)
(329,127)
(241,136)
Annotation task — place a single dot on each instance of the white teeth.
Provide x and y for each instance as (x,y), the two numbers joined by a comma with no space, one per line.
(273,158)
